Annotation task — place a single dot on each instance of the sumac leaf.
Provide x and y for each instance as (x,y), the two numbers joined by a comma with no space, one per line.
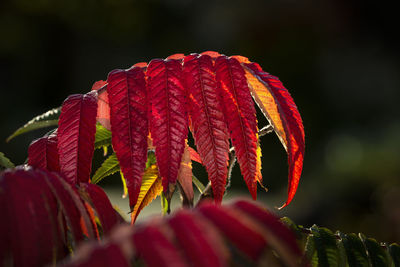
(103,137)
(129,125)
(194,155)
(103,107)
(151,187)
(278,235)
(243,233)
(208,122)
(185,175)
(279,108)
(325,244)
(24,253)
(377,254)
(47,119)
(241,119)
(169,127)
(76,136)
(43,153)
(200,241)
(355,251)
(394,250)
(102,205)
(67,204)
(5,162)
(156,249)
(107,168)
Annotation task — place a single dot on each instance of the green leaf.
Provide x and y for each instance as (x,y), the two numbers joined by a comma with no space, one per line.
(310,254)
(200,186)
(103,137)
(5,162)
(394,250)
(355,250)
(377,254)
(151,159)
(325,244)
(164,204)
(47,119)
(341,250)
(109,167)
(300,236)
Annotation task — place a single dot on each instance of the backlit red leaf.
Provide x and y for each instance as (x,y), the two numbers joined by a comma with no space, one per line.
(241,118)
(43,153)
(281,111)
(194,155)
(67,204)
(102,205)
(208,122)
(169,127)
(76,136)
(103,108)
(129,125)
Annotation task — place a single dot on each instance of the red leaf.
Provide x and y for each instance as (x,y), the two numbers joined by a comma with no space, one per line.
(49,231)
(92,218)
(110,255)
(199,240)
(24,253)
(185,179)
(103,109)
(155,248)
(243,233)
(208,123)
(76,135)
(33,232)
(241,119)
(43,153)
(70,211)
(194,155)
(212,54)
(169,127)
(129,126)
(102,205)
(99,256)
(141,65)
(278,235)
(178,56)
(279,108)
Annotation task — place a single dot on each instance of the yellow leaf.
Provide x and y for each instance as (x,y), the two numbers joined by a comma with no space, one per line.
(150,189)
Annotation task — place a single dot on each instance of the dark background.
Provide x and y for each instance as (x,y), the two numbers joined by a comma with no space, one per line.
(339,60)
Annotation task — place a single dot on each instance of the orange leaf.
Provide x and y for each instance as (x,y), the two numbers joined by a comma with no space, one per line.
(279,108)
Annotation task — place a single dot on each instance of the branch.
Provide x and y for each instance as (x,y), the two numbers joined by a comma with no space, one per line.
(208,193)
